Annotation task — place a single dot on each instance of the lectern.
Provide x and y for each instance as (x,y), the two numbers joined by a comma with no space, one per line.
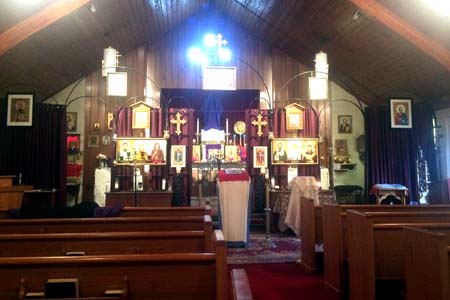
(234,189)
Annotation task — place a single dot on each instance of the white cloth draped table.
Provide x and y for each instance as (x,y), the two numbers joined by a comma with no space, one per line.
(301,186)
(102,184)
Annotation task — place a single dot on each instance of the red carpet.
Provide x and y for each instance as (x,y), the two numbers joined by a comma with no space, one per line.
(284,282)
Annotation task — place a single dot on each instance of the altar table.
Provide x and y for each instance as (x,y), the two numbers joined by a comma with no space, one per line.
(382,191)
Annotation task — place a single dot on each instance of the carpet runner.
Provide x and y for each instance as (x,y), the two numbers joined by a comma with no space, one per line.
(287,249)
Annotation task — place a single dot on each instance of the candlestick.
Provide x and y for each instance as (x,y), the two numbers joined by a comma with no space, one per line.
(198,126)
(226,125)
(163,184)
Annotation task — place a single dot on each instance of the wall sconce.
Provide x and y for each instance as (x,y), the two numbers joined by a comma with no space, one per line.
(96,126)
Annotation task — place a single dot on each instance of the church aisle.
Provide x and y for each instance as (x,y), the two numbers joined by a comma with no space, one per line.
(284,281)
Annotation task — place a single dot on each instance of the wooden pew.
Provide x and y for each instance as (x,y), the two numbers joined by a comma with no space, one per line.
(150,211)
(310,233)
(106,224)
(335,237)
(167,276)
(427,264)
(172,211)
(240,285)
(376,246)
(101,243)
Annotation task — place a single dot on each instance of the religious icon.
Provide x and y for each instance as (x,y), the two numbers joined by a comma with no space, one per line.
(141,115)
(231,153)
(178,157)
(71,121)
(196,156)
(20,110)
(344,124)
(295,151)
(341,147)
(260,157)
(73,143)
(106,140)
(294,116)
(401,113)
(110,121)
(93,141)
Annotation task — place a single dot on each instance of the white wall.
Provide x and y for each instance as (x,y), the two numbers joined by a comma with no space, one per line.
(338,107)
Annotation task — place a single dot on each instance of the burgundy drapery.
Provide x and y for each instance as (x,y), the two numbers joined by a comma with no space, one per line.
(38,152)
(392,152)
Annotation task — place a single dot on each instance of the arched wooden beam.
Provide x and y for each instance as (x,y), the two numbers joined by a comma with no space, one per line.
(393,21)
(45,17)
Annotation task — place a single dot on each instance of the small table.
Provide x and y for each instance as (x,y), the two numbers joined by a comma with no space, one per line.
(45,197)
(382,191)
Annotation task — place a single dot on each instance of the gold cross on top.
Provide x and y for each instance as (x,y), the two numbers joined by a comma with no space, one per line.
(178,121)
(260,124)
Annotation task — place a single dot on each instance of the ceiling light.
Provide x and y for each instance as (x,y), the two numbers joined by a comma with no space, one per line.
(356,15)
(92,8)
(441,7)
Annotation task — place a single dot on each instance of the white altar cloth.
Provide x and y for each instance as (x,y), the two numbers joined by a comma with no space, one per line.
(301,186)
(102,185)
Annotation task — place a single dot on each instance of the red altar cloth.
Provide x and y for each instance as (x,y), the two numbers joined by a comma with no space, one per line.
(223,176)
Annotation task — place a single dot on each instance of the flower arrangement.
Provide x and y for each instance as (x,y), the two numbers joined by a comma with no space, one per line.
(102,160)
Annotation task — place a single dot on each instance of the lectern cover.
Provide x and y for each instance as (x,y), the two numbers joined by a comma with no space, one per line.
(234,195)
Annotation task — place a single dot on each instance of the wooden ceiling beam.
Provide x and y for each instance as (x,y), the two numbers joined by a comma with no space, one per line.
(393,21)
(45,17)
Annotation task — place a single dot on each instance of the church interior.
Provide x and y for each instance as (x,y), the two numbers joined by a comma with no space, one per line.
(224,149)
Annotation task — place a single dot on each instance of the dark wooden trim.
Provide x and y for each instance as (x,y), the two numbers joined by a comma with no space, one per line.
(47,16)
(394,22)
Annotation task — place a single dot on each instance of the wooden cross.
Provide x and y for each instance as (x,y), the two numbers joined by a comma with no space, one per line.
(260,124)
(178,121)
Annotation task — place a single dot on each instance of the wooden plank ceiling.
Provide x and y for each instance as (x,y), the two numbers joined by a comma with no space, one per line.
(367,58)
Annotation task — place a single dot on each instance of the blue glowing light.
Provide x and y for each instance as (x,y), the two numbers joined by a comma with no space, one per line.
(213,51)
(209,40)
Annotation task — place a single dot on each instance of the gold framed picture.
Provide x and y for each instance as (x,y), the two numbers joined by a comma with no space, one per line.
(71,121)
(294,116)
(141,115)
(231,154)
(260,157)
(196,153)
(341,147)
(295,151)
(178,156)
(20,110)
(401,115)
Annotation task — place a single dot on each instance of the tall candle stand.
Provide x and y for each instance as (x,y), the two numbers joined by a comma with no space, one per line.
(269,243)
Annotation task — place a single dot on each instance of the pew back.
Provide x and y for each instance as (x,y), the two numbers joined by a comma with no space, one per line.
(101,243)
(173,211)
(107,224)
(150,276)
(427,264)
(376,246)
(335,232)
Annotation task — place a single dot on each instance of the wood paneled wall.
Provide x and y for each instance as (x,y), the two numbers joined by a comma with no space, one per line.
(165,63)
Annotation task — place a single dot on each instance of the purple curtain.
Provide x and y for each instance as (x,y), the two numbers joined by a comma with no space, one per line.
(392,152)
(38,152)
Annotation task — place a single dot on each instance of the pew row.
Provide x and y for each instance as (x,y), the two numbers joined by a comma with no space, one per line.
(162,211)
(102,243)
(147,211)
(106,224)
(376,246)
(427,264)
(167,276)
(335,235)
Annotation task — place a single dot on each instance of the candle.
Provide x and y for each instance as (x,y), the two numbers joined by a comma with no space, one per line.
(272,182)
(226,125)
(198,126)
(163,184)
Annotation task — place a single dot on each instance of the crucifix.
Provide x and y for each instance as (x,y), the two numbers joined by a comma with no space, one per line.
(178,121)
(260,124)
